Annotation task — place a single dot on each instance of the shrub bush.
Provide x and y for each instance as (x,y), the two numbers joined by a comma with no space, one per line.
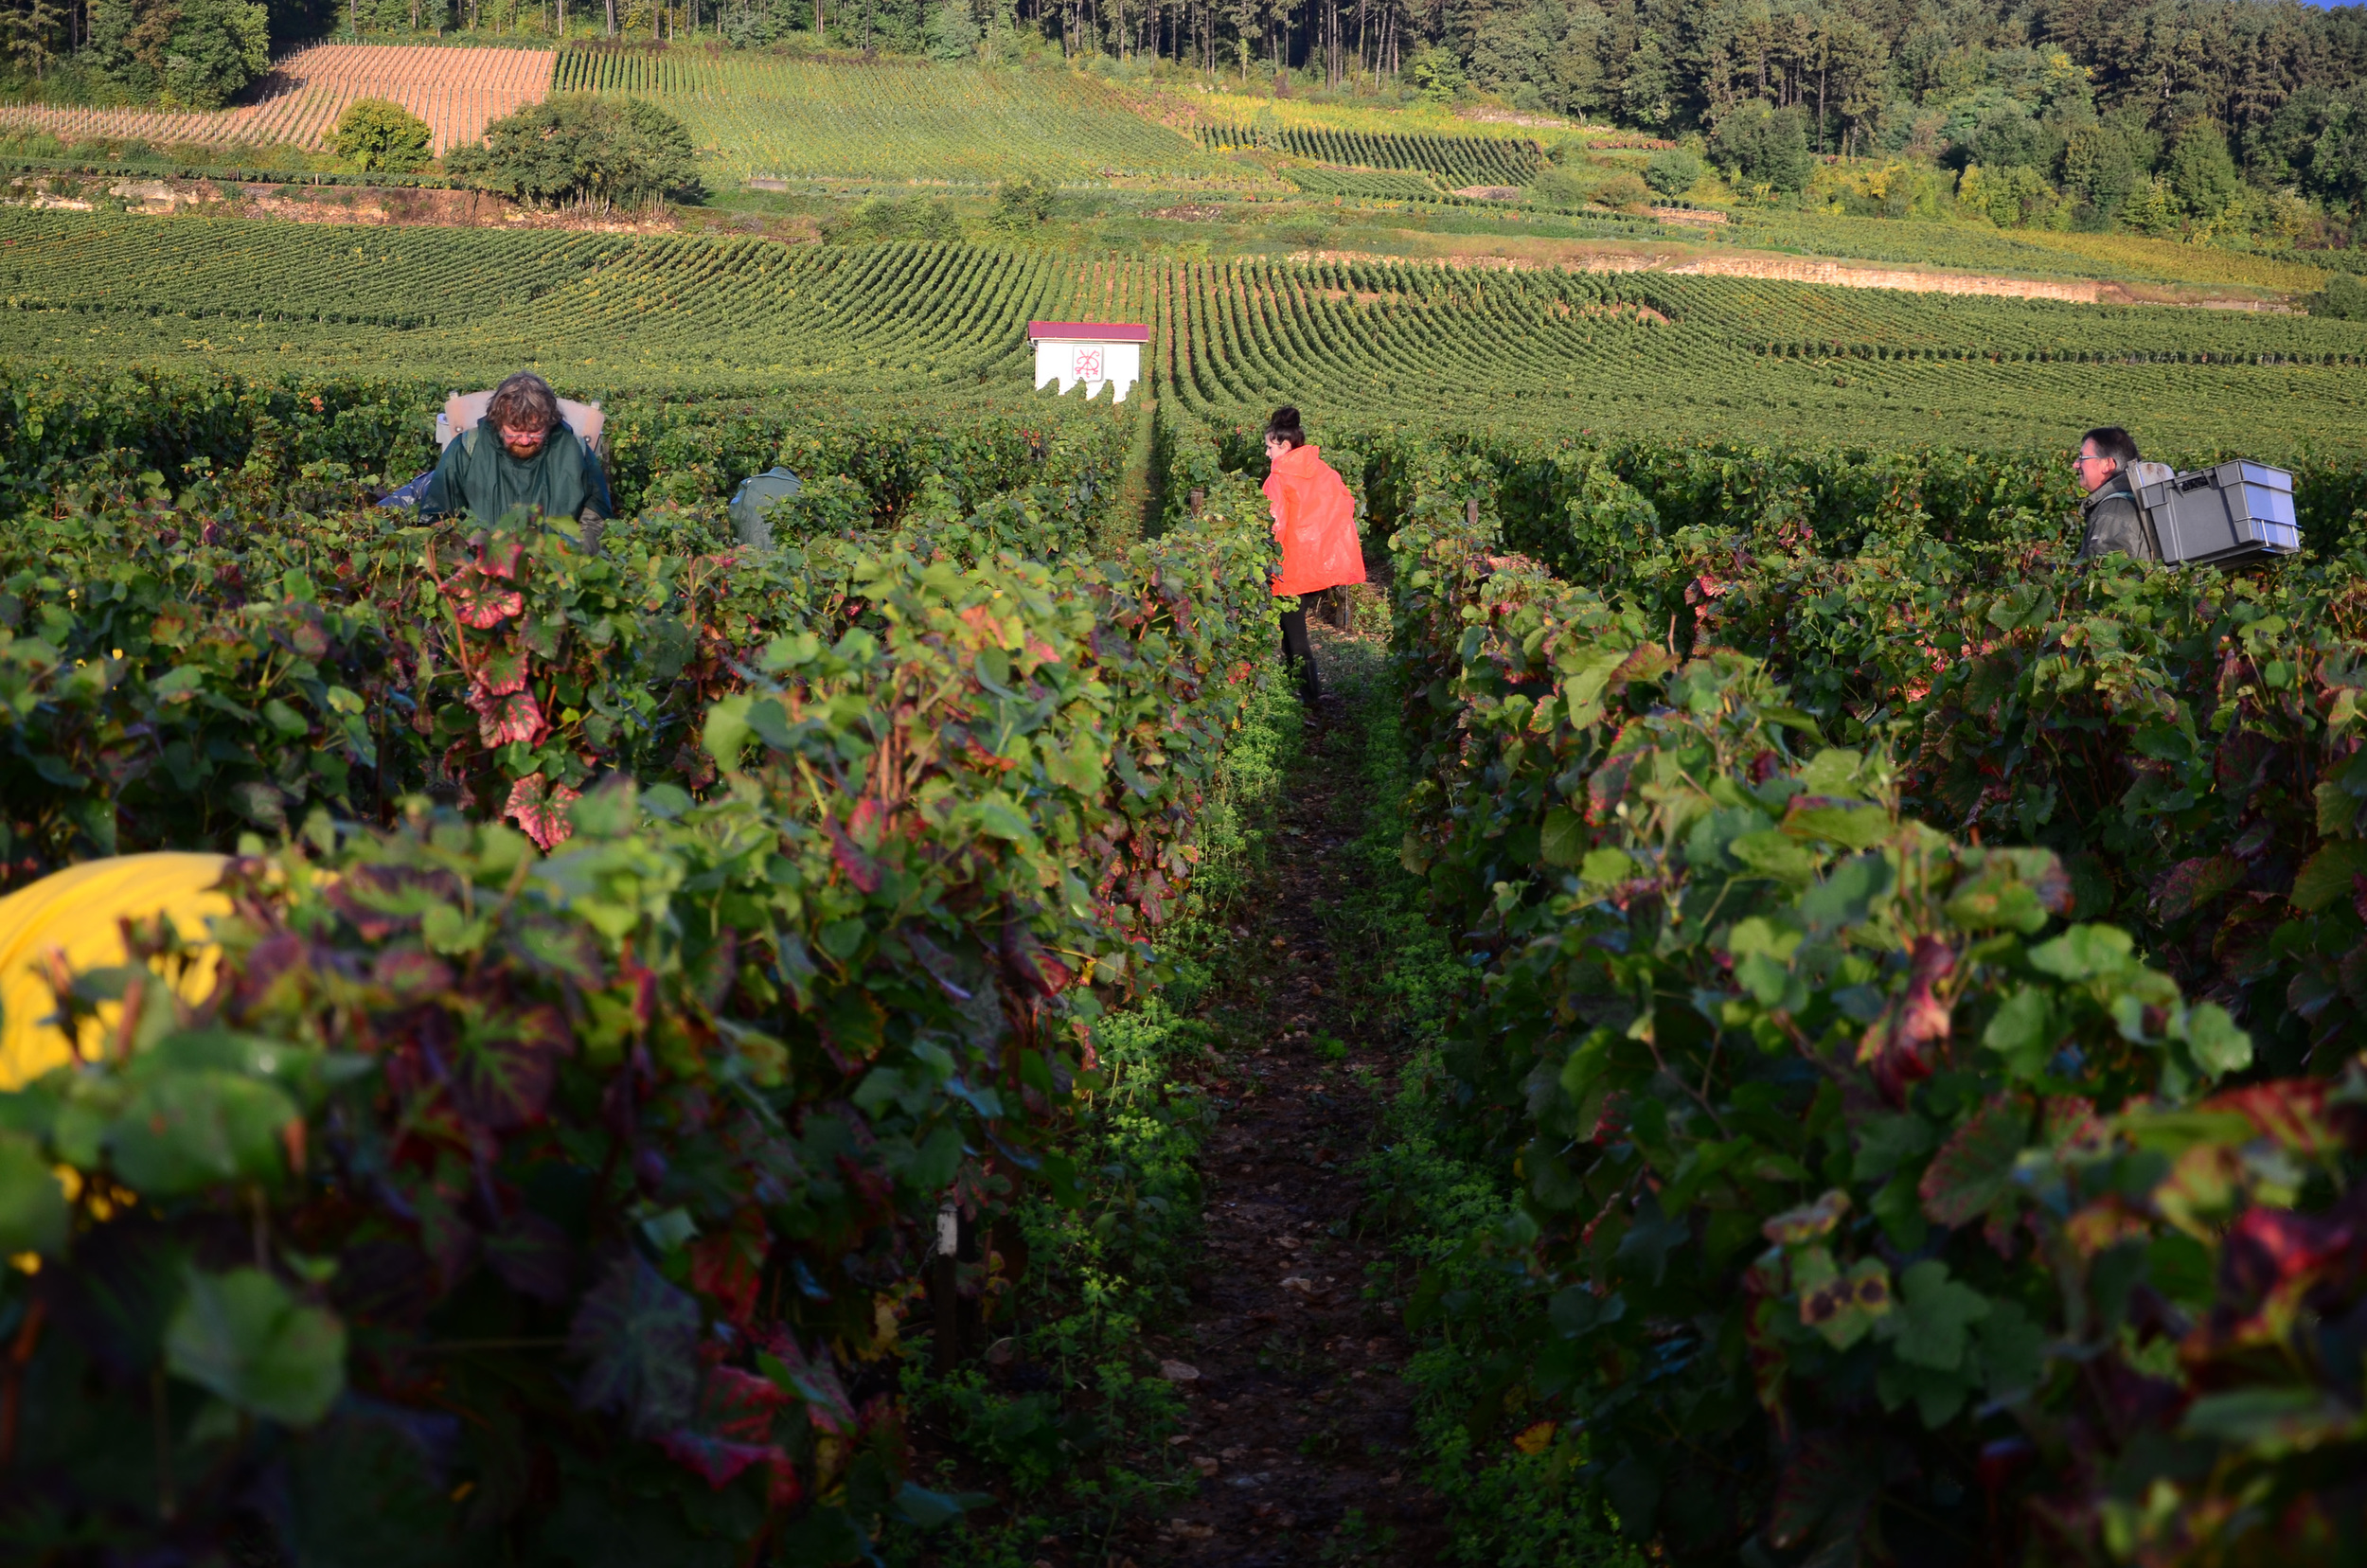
(2344,299)
(1672,170)
(585,149)
(1621,189)
(1559,187)
(1022,204)
(378,133)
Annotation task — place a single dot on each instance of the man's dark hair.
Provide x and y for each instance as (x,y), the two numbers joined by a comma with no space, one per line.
(2114,442)
(1284,426)
(524,401)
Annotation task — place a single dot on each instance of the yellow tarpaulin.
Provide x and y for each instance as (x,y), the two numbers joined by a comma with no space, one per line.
(76,912)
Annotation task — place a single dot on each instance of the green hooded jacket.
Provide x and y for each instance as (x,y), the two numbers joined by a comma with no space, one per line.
(477,476)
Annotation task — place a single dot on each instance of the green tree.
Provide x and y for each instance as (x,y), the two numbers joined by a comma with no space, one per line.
(130,39)
(953,32)
(2015,196)
(375,133)
(32,31)
(214,50)
(2203,171)
(1759,144)
(586,150)
(2103,162)
(1647,92)
(1672,172)
(2317,140)
(2344,299)
(1996,132)
(1544,55)
(1857,77)
(1438,74)
(2154,208)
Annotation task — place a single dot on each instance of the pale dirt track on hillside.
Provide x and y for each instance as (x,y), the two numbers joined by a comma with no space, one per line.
(456,91)
(1798,269)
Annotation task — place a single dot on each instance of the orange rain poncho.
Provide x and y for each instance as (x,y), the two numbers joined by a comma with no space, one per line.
(1314,519)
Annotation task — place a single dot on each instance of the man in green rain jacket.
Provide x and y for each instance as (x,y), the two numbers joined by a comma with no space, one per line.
(521,453)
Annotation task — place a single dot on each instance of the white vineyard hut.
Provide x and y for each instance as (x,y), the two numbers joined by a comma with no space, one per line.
(1095,352)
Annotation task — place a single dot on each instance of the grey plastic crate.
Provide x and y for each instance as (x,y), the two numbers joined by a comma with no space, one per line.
(2241,510)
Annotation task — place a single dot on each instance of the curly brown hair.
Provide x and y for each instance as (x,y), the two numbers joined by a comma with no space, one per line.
(524,401)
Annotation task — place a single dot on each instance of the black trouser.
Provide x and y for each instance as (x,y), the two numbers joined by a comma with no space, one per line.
(1298,651)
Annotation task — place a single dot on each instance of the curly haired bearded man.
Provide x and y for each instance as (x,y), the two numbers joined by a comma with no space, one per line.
(521,454)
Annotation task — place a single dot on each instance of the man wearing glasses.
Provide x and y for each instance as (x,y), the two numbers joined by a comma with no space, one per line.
(2115,520)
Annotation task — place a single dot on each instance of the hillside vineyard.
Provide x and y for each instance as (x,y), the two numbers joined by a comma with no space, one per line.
(782,118)
(1553,352)
(1454,160)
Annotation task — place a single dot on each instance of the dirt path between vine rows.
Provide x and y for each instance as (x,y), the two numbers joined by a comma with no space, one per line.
(1299,1422)
(1521,253)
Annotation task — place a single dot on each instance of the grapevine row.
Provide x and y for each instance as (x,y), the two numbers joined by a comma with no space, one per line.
(458,91)
(1454,160)
(786,119)
(1356,342)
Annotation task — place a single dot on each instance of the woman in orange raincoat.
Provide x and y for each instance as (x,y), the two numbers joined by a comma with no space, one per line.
(1314,521)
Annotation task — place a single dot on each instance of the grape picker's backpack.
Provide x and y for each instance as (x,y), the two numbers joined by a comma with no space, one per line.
(752,505)
(2239,512)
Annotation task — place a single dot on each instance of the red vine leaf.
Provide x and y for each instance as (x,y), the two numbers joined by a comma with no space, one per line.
(1826,1479)
(502,671)
(499,558)
(2190,885)
(715,1460)
(1975,1167)
(542,816)
(503,719)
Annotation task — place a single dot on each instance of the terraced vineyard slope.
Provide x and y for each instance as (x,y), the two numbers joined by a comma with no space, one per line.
(593,311)
(1371,185)
(901,120)
(1366,343)
(1453,160)
(1566,354)
(456,91)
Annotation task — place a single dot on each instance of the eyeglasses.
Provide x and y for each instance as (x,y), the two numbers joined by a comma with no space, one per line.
(2090,457)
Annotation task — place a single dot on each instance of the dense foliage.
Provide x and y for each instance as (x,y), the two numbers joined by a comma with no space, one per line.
(1866,1207)
(551,1193)
(374,133)
(2130,721)
(195,53)
(179,677)
(64,436)
(575,149)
